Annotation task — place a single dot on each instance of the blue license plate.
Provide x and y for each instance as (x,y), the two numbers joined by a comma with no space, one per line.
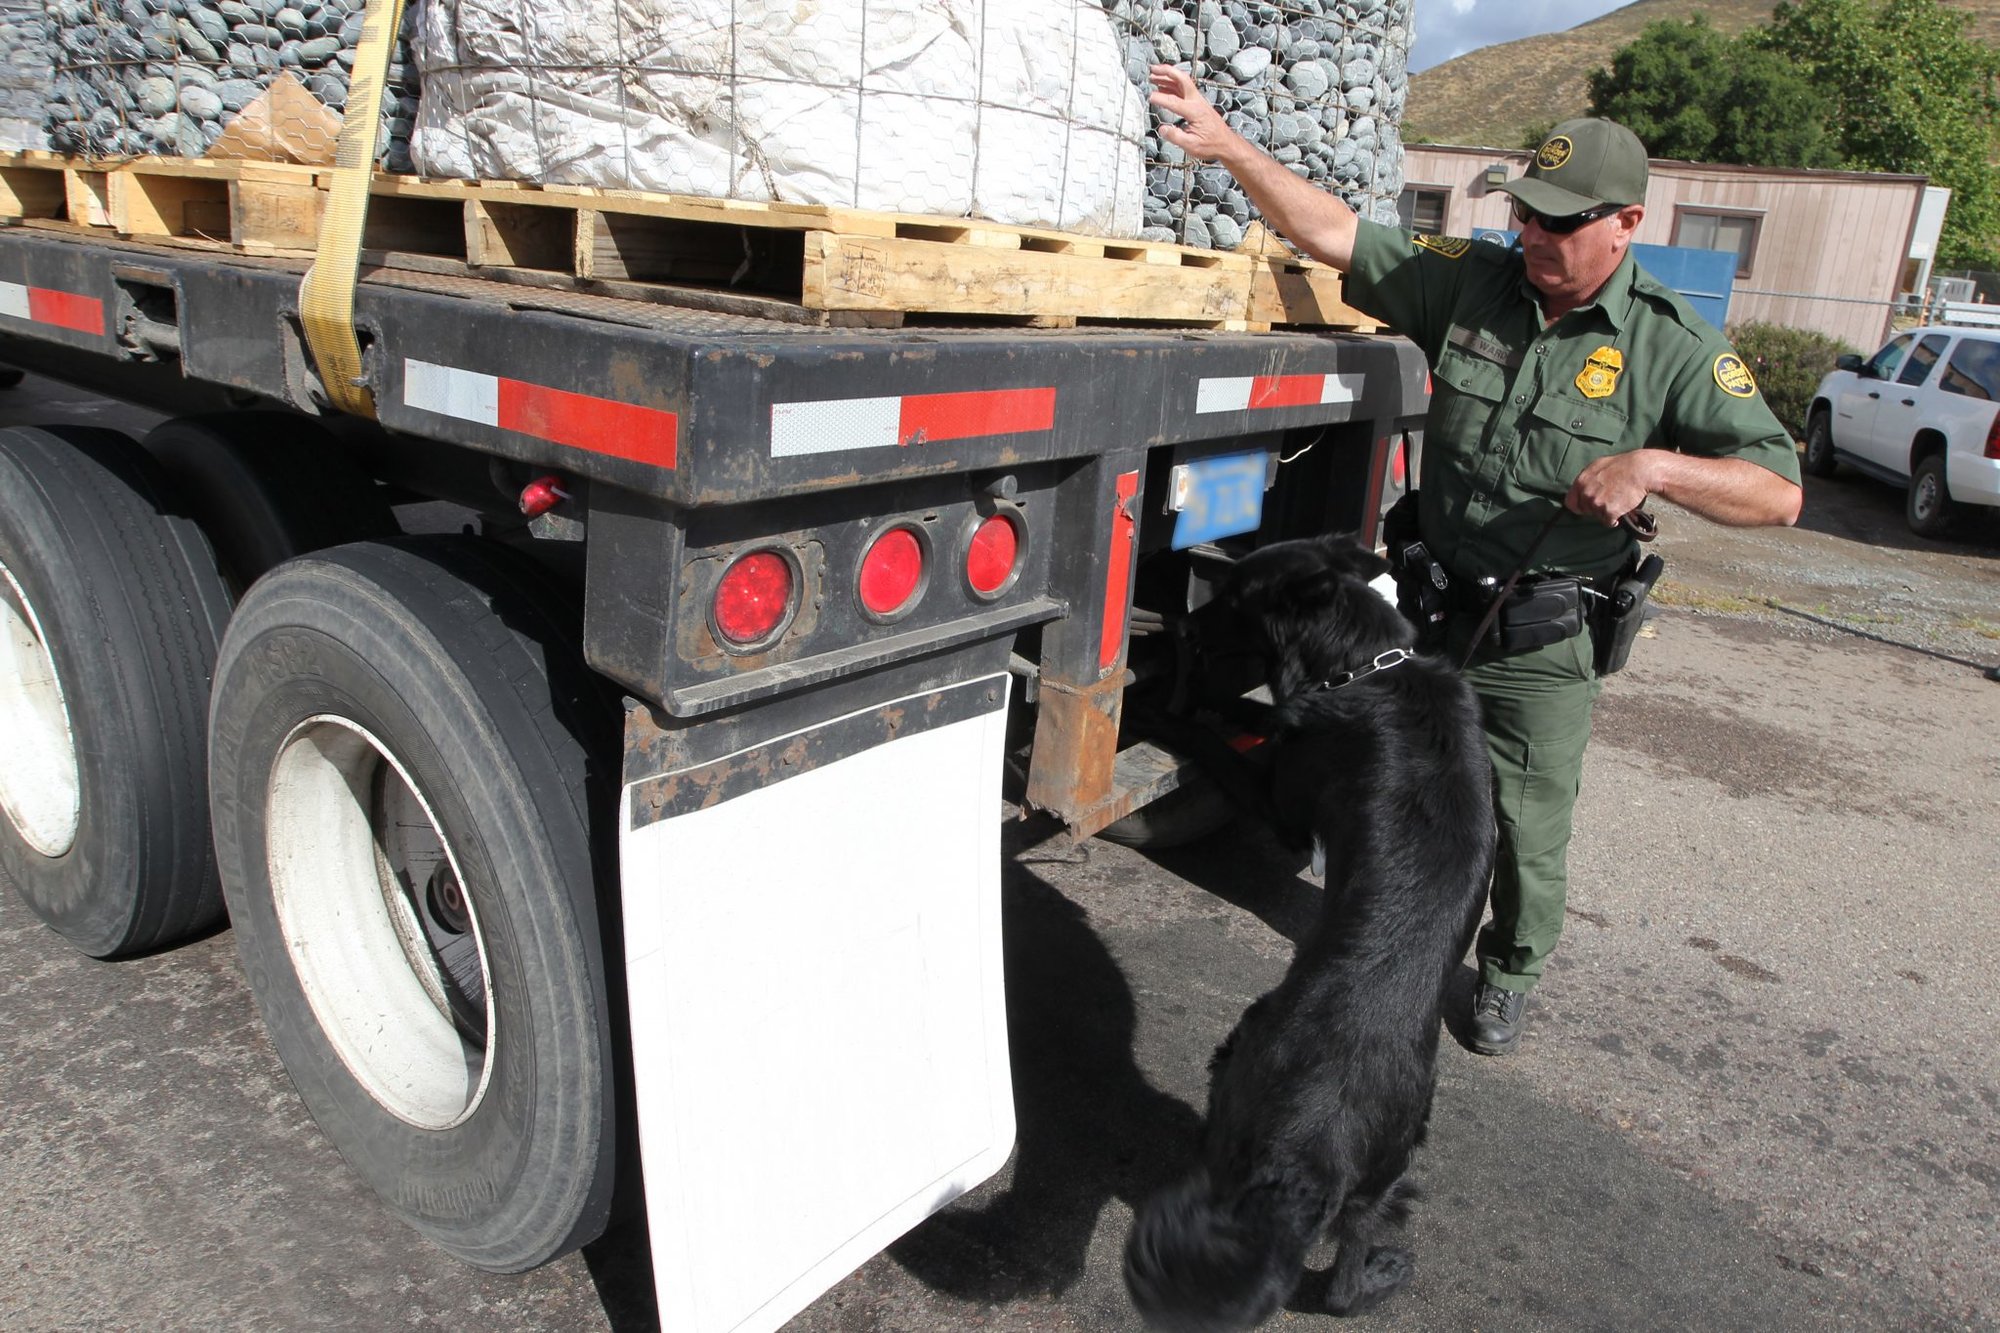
(1219,497)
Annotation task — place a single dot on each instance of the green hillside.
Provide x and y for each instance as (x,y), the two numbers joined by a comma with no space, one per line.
(1489,98)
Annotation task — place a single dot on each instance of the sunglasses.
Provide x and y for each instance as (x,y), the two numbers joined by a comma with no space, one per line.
(1563,226)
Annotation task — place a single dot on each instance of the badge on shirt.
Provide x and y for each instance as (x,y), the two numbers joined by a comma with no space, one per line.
(1451,247)
(1600,373)
(1734,377)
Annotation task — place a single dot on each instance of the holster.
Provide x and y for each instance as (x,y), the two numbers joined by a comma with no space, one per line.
(1617,623)
(1422,586)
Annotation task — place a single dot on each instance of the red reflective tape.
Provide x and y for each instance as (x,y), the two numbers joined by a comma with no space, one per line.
(1118,575)
(1286,390)
(66,310)
(929,417)
(622,430)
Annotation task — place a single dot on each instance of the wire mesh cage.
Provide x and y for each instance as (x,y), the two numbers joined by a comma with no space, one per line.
(1027,112)
(24,75)
(260,79)
(1319,84)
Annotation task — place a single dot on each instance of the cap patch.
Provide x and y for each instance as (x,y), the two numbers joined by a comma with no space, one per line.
(1451,247)
(1600,373)
(1734,377)
(1554,153)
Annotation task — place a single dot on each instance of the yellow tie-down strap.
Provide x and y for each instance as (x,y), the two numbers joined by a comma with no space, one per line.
(326,297)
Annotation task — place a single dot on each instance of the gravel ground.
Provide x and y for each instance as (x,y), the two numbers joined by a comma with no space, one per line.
(1757,1091)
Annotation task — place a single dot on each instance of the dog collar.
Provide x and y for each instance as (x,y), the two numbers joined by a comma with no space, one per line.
(1383,661)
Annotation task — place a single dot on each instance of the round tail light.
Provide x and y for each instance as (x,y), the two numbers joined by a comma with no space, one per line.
(992,555)
(754,598)
(892,572)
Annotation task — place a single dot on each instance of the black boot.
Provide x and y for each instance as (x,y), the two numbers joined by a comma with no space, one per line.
(1497,1019)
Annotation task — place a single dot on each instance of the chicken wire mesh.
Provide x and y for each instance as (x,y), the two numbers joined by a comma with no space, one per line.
(1031,112)
(1319,84)
(262,79)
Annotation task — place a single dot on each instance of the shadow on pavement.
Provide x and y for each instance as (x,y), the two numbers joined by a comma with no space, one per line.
(1091,1127)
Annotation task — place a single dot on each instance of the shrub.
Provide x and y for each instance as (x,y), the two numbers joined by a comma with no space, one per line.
(1789,364)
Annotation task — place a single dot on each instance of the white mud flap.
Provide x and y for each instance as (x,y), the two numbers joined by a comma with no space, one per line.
(818,1028)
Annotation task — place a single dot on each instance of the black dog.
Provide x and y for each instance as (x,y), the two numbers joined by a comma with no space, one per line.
(1323,1090)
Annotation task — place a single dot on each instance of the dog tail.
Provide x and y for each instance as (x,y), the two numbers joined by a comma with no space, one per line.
(1196,1264)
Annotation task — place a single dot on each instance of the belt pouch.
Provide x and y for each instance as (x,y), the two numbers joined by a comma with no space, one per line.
(1540,613)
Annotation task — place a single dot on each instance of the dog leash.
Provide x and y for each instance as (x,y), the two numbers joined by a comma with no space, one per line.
(1639,522)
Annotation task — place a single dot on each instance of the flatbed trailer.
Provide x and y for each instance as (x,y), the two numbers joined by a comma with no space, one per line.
(601,753)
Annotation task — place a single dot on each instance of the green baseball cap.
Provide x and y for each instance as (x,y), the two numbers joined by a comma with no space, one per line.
(1582,164)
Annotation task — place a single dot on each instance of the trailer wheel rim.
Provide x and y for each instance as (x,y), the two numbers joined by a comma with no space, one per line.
(41,786)
(382,936)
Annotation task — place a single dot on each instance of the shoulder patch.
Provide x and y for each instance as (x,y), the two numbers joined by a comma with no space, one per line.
(1451,247)
(1734,377)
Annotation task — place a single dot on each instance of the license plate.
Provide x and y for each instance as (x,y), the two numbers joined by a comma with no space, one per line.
(1218,497)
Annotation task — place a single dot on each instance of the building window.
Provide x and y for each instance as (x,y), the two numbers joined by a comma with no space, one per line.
(1421,208)
(1731,233)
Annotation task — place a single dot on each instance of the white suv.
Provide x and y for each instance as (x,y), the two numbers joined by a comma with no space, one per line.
(1924,412)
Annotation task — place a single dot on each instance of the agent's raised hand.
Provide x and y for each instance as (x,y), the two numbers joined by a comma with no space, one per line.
(1202,132)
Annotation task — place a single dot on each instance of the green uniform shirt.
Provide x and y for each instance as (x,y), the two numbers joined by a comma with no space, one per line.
(1518,410)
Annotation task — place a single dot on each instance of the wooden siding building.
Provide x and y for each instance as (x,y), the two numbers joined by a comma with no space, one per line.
(1834,251)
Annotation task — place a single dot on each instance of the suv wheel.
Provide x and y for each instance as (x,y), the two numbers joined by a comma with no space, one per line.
(1928,507)
(1819,445)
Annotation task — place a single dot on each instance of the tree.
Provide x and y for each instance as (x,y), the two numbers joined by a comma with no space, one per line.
(1907,91)
(1691,93)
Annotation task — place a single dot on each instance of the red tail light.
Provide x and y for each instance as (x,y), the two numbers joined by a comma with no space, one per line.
(754,598)
(992,555)
(1993,437)
(892,572)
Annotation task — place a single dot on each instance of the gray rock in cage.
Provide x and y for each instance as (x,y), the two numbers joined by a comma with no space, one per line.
(131,78)
(1319,84)
(24,74)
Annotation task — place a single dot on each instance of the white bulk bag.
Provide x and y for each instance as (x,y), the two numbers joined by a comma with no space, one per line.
(1014,110)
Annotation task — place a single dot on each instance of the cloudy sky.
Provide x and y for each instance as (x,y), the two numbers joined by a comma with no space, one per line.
(1447,28)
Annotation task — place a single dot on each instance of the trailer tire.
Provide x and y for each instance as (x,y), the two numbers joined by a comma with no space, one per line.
(267,486)
(406,764)
(110,611)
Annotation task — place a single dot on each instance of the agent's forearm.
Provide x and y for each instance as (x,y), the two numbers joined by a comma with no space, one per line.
(1303,213)
(1730,491)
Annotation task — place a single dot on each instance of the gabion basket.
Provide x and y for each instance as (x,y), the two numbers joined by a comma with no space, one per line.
(133,78)
(1319,83)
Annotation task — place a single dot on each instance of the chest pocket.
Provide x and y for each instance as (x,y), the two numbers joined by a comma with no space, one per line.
(1564,436)
(1466,392)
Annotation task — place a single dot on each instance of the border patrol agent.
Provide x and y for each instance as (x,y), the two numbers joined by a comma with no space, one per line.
(1568,388)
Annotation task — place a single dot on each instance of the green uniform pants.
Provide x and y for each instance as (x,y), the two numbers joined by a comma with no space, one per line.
(1536,706)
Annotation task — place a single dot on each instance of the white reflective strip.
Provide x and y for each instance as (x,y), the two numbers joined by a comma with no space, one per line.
(1341,389)
(14,300)
(449,391)
(1231,395)
(831,426)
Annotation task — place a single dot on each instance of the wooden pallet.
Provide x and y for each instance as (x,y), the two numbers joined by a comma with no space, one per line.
(806,262)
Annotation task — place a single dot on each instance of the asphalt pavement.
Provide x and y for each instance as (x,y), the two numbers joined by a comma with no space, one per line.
(1758,1089)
